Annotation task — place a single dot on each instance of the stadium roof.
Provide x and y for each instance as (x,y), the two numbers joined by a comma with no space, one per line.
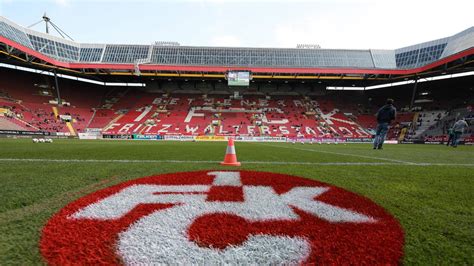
(47,49)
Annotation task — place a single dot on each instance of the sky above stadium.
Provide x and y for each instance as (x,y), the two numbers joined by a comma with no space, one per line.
(350,24)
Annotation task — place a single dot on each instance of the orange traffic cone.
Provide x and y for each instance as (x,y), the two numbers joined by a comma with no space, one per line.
(230,155)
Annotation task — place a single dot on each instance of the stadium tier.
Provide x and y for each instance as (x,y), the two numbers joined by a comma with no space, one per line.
(29,103)
(254,116)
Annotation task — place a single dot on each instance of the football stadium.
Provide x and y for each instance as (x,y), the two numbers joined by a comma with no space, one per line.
(170,154)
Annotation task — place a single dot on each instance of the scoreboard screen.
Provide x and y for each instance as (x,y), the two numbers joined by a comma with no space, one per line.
(238,78)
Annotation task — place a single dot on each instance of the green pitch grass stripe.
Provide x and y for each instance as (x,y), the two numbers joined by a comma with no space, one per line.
(99,161)
(216,162)
(342,154)
(59,200)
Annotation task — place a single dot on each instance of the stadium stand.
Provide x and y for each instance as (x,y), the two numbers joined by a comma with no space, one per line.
(202,114)
(199,108)
(32,100)
(185,91)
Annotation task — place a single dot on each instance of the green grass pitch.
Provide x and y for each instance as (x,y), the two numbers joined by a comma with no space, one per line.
(428,188)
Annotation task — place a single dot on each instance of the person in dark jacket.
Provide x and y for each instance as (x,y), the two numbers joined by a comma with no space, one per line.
(450,136)
(385,115)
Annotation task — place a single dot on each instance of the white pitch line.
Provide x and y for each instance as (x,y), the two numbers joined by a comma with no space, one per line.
(343,154)
(216,162)
(99,161)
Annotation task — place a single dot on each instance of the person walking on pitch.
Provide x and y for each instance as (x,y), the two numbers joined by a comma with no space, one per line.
(385,115)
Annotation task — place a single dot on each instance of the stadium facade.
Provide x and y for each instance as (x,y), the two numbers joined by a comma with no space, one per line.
(162,58)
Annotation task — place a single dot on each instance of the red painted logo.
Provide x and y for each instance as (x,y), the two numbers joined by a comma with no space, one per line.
(222,217)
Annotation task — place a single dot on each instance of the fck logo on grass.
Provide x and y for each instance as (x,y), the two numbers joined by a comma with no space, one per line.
(222,217)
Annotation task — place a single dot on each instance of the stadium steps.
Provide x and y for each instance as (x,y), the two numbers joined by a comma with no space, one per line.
(448,120)
(20,122)
(71,129)
(55,111)
(92,118)
(6,124)
(25,123)
(20,103)
(68,124)
(114,120)
(429,119)
(415,120)
(101,118)
(403,132)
